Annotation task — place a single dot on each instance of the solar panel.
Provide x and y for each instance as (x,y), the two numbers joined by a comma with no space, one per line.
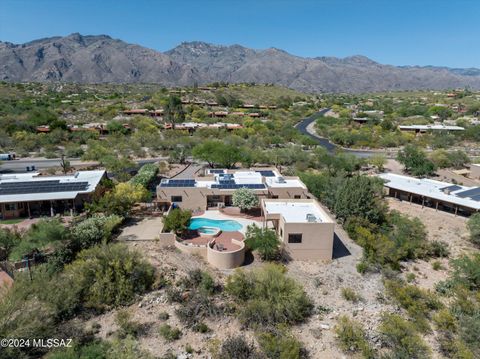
(469,192)
(178,183)
(451,188)
(48,186)
(266,173)
(237,186)
(216,171)
(476,198)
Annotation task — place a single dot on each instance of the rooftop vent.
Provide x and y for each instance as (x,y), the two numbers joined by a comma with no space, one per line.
(311,217)
(280,180)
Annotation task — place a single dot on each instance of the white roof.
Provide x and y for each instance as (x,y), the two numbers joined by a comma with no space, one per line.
(276,182)
(297,211)
(92,177)
(430,188)
(431,127)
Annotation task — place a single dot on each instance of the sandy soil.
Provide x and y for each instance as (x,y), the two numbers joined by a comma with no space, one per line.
(323,281)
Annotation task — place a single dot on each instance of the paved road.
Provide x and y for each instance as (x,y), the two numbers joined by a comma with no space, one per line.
(20,166)
(305,127)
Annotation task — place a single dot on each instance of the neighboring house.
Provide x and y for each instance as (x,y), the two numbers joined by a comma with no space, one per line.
(427,128)
(30,195)
(305,229)
(216,187)
(439,195)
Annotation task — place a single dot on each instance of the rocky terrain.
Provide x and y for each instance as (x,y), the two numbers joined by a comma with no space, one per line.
(101,59)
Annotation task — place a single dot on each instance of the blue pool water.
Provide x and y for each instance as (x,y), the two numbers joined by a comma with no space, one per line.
(224,225)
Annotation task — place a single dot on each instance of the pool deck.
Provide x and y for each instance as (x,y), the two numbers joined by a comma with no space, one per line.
(225,239)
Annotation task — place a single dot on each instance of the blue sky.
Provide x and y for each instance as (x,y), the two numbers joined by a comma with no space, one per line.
(398,32)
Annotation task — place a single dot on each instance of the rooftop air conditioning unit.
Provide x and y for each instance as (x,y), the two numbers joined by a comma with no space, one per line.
(220,204)
(280,180)
(311,217)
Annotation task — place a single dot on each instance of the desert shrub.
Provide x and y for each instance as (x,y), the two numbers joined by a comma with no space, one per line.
(126,327)
(418,303)
(436,265)
(146,174)
(466,271)
(163,316)
(410,277)
(271,298)
(401,337)
(196,307)
(263,240)
(237,348)
(127,348)
(177,220)
(279,344)
(42,234)
(109,275)
(8,240)
(350,295)
(201,328)
(437,249)
(169,333)
(84,234)
(200,280)
(352,338)
(473,225)
(95,349)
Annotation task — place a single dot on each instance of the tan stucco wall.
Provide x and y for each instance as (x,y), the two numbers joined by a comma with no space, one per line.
(227,260)
(475,172)
(192,249)
(317,240)
(288,192)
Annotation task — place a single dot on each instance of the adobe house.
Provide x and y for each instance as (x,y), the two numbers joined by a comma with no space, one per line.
(304,228)
(32,195)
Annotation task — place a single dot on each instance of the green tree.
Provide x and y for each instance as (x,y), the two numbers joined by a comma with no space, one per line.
(177,220)
(121,199)
(263,240)
(244,198)
(360,196)
(415,161)
(173,111)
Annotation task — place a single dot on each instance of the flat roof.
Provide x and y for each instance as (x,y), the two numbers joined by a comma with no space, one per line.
(89,179)
(297,211)
(431,127)
(441,191)
(253,178)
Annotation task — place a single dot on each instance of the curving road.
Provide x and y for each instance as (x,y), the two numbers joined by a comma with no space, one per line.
(303,127)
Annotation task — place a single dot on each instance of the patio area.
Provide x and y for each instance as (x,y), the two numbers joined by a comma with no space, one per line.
(223,241)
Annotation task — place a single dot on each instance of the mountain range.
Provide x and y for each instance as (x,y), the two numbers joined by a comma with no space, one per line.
(102,59)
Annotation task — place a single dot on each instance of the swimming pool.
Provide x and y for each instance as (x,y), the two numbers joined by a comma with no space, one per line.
(224,225)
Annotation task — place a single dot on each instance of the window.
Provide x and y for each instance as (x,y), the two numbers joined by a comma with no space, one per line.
(274,197)
(176,199)
(10,206)
(297,196)
(295,238)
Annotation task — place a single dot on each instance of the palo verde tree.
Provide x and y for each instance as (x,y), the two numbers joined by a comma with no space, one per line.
(264,241)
